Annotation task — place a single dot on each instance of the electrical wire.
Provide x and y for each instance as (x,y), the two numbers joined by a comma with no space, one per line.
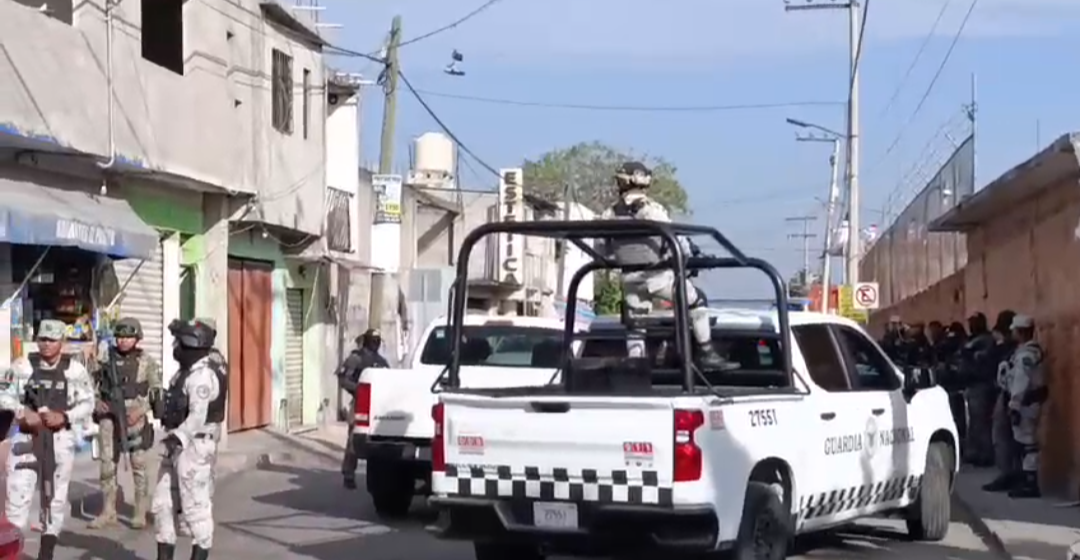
(630,108)
(858,48)
(915,61)
(933,81)
(442,125)
(452,25)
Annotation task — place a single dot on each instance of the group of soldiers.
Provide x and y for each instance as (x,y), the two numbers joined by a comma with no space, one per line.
(997,384)
(56,396)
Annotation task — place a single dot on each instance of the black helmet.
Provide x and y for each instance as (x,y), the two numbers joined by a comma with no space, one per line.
(370,335)
(192,335)
(633,175)
(128,327)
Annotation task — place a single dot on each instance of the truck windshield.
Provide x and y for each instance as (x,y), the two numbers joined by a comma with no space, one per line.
(502,346)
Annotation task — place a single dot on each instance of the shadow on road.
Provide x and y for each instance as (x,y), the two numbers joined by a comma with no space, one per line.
(867,541)
(307,511)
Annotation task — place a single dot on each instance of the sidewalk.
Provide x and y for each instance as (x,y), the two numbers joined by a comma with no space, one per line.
(1023,529)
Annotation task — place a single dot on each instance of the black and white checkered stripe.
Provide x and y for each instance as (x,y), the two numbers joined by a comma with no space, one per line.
(856,497)
(586,485)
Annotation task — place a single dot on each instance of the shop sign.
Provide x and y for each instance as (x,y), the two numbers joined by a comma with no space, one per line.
(388,194)
(85,234)
(511,209)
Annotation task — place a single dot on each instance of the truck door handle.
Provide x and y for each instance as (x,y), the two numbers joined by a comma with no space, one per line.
(550,407)
(878,411)
(828,415)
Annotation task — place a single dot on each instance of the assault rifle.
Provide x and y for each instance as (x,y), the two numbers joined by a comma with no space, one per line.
(44,450)
(112,392)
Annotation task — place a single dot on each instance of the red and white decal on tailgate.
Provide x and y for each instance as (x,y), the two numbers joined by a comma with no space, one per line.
(637,453)
(470,445)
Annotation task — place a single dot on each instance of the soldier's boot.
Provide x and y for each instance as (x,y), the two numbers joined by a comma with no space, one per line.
(138,518)
(108,511)
(1003,483)
(165,551)
(199,553)
(47,547)
(710,359)
(1028,487)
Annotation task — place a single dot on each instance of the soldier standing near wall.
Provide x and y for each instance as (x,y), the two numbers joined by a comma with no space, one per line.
(1027,392)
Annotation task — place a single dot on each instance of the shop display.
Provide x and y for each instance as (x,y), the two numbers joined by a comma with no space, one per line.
(61,287)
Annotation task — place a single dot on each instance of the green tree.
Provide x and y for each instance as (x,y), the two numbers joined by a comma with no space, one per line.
(588,168)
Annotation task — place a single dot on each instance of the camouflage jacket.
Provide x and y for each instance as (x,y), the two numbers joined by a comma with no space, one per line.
(149,372)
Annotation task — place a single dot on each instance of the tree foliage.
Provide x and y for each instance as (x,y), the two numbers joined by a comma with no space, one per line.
(588,168)
(608,294)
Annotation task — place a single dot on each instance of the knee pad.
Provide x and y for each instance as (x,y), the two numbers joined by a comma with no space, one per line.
(697,299)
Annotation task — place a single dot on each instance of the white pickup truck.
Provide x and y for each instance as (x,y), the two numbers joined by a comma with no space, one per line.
(621,458)
(393,427)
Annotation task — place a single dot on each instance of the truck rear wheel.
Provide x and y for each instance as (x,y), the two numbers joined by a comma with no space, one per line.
(928,518)
(506,551)
(391,487)
(763,530)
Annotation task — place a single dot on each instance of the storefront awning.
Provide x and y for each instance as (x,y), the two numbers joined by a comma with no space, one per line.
(33,214)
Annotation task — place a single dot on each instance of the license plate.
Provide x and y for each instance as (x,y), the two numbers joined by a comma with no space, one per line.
(550,515)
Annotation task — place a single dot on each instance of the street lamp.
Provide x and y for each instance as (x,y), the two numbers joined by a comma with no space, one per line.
(834,138)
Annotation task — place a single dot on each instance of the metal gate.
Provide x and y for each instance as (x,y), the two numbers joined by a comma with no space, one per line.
(142,298)
(294,356)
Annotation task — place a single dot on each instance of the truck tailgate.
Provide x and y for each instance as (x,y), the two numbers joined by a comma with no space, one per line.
(401,399)
(560,448)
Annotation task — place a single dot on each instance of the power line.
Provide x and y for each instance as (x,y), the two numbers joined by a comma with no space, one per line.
(442,125)
(918,57)
(933,81)
(858,47)
(630,108)
(450,26)
(423,103)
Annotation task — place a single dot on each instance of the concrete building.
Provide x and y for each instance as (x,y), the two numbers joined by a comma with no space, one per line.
(185,141)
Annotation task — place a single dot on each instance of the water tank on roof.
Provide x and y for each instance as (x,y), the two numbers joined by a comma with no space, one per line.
(434,153)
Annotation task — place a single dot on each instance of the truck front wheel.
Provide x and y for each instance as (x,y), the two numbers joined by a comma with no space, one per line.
(928,518)
(391,487)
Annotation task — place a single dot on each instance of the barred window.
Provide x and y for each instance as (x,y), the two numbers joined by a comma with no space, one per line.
(281,78)
(338,220)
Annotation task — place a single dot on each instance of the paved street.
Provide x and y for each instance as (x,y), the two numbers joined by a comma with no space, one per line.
(295,508)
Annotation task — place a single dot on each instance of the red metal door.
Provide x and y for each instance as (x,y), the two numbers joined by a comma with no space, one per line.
(250,316)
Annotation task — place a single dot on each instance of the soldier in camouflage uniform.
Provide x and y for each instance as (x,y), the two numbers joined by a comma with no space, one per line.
(644,288)
(140,376)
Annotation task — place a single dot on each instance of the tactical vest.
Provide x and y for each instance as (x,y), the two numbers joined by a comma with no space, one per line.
(127,373)
(637,250)
(177,402)
(47,387)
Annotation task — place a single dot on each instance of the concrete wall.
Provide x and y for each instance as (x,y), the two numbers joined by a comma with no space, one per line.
(1028,260)
(343,159)
(211,124)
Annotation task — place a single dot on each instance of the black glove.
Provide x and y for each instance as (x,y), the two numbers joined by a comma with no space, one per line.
(1015,417)
(172,443)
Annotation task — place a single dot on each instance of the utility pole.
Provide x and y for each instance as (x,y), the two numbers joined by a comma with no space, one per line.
(805,236)
(383,309)
(854,242)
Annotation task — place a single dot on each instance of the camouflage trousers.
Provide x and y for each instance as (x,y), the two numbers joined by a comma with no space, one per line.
(140,466)
(22,481)
(186,486)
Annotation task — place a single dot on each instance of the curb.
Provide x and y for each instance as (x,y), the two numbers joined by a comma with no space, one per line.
(987,535)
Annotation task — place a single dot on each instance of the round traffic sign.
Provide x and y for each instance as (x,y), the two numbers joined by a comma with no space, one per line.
(866,295)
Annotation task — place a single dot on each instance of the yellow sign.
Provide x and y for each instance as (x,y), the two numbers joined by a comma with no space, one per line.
(847,306)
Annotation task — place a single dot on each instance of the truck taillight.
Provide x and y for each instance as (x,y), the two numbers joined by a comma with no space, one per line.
(438,442)
(687,453)
(362,405)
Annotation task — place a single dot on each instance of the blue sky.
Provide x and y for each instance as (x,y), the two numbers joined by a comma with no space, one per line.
(743,170)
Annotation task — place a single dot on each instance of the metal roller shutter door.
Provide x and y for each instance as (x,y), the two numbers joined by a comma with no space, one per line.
(294,356)
(142,299)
